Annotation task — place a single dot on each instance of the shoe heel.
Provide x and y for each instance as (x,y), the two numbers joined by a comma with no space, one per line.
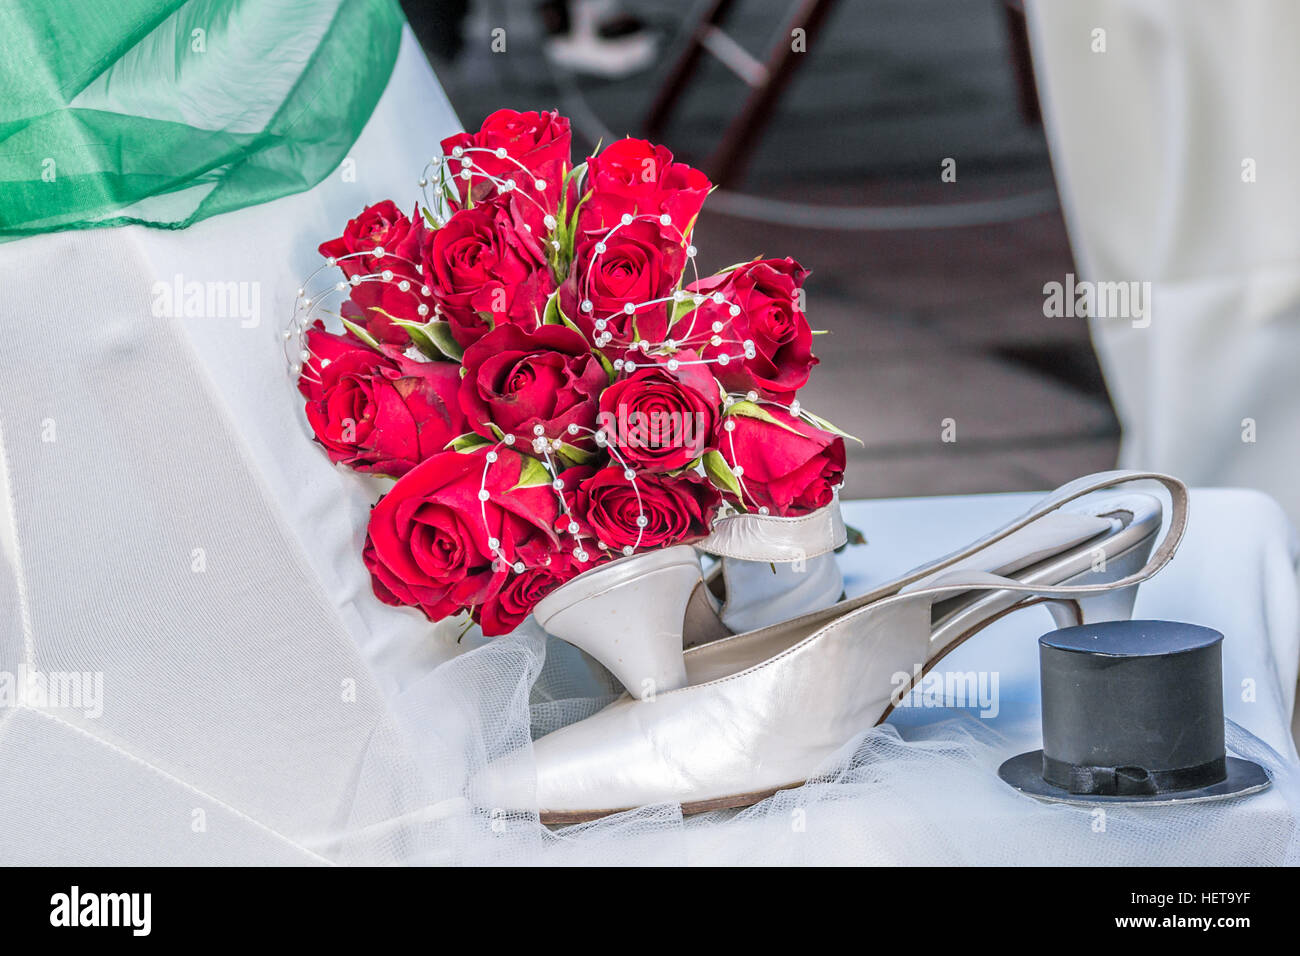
(628,615)
(1114,605)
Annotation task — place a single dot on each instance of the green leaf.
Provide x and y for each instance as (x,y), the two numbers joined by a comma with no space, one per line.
(533,474)
(681,309)
(754,410)
(720,473)
(854,536)
(574,455)
(824,425)
(466,442)
(554,315)
(433,338)
(360,333)
(428,217)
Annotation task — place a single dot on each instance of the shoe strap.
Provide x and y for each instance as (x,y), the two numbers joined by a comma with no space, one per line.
(958,581)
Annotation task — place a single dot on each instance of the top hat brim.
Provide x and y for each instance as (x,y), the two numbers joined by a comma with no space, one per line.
(1025,773)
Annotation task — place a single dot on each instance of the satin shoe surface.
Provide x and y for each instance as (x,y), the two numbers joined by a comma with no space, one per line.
(760,711)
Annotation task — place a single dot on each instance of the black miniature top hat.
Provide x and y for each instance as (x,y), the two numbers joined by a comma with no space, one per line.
(1132,713)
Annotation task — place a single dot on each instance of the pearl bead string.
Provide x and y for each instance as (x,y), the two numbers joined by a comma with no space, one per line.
(301,321)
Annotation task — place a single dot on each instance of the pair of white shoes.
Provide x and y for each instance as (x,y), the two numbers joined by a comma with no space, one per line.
(714,719)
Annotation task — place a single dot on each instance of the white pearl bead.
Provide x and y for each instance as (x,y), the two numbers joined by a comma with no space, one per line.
(628,549)
(484,495)
(600,248)
(673,365)
(425,290)
(539,430)
(642,521)
(500,152)
(387,275)
(508,439)
(724,358)
(729,425)
(519,567)
(629,474)
(573,527)
(738,471)
(690,252)
(627,219)
(666,220)
(539,185)
(404,285)
(572,429)
(629,308)
(422,309)
(586,305)
(491,457)
(379,252)
(494,543)
(550,222)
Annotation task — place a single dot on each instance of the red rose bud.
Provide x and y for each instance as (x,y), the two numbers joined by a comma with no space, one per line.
(631,267)
(785,465)
(661,417)
(536,147)
(428,545)
(766,293)
(605,505)
(518,380)
(382,226)
(374,412)
(634,177)
(506,609)
(487,270)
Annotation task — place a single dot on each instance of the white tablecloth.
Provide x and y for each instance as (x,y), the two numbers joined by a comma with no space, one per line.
(168,523)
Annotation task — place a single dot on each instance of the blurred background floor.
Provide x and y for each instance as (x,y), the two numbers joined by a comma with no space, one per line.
(926,325)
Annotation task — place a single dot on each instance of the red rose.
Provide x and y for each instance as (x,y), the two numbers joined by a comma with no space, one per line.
(506,609)
(787,466)
(662,418)
(633,266)
(383,226)
(605,505)
(767,294)
(428,545)
(632,176)
(536,147)
(487,269)
(374,412)
(517,380)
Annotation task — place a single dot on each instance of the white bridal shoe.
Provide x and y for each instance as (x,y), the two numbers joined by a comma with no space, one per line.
(749,714)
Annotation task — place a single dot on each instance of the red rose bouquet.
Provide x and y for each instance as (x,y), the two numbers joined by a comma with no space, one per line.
(534,359)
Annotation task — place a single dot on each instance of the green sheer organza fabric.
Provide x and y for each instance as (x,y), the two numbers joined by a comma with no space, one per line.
(165,112)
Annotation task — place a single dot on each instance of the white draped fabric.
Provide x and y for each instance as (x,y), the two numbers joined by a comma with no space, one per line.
(1173,131)
(166,523)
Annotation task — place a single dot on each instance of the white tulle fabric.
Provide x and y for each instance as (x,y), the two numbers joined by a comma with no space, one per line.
(165,522)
